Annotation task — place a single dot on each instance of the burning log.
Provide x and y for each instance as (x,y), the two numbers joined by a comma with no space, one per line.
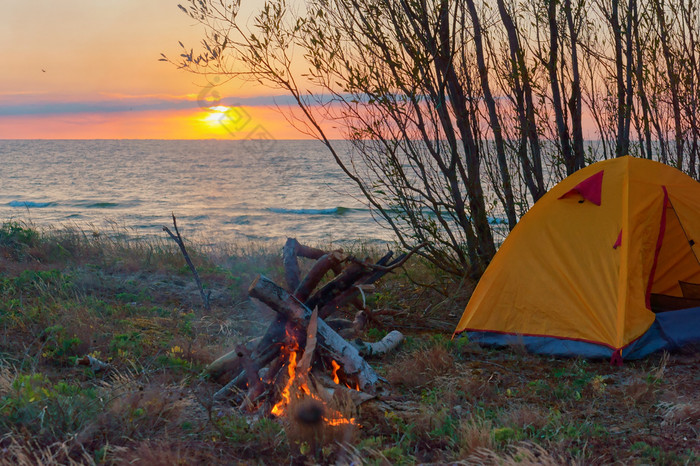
(305,362)
(279,300)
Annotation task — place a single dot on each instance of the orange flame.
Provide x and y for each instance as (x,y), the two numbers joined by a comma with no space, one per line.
(336,366)
(356,387)
(278,409)
(341,421)
(335,418)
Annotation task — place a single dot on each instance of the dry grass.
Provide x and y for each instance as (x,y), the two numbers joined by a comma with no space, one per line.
(7,375)
(637,392)
(475,435)
(524,417)
(680,413)
(21,451)
(524,454)
(166,453)
(419,368)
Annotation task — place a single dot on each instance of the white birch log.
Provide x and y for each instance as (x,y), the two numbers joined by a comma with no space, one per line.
(383,346)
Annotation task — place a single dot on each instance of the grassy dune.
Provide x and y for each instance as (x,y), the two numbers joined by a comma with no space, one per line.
(65,294)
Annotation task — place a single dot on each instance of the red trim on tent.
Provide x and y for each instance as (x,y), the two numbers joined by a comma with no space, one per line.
(618,242)
(659,242)
(591,188)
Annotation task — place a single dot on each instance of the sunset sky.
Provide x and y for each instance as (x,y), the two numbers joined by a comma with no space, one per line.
(87,69)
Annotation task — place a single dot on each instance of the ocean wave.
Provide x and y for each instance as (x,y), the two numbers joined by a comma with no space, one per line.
(243,220)
(101,205)
(331,211)
(29,204)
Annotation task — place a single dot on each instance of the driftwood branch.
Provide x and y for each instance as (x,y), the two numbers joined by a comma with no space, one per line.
(281,301)
(383,346)
(230,387)
(178,239)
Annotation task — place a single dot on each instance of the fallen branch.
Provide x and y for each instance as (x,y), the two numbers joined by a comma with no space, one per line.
(230,387)
(178,240)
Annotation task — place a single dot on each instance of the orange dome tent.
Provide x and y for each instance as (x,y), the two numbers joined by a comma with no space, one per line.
(606,264)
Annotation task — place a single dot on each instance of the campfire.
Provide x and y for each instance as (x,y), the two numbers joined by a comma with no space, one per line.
(309,362)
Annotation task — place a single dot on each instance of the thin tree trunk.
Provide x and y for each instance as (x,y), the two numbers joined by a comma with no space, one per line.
(575,100)
(641,84)
(534,177)
(629,90)
(622,139)
(672,80)
(493,117)
(562,130)
(442,54)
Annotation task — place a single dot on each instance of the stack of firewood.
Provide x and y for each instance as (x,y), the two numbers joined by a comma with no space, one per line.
(305,339)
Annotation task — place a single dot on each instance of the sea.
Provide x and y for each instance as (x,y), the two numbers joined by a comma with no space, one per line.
(221,191)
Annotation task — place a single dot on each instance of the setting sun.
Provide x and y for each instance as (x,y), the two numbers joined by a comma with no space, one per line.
(217,116)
